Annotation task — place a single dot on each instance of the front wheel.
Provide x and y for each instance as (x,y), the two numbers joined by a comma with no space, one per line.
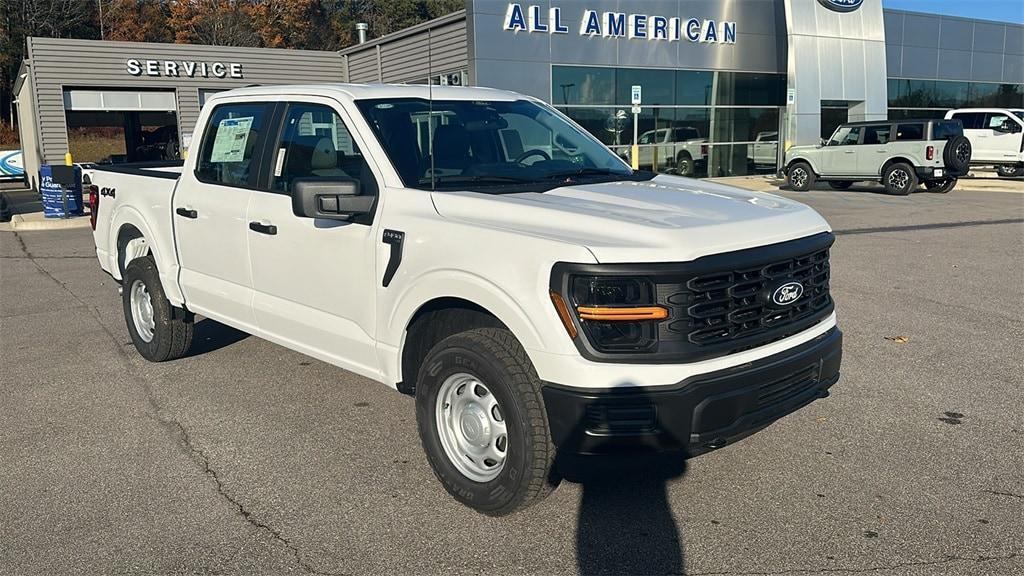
(1009,170)
(899,179)
(482,422)
(940,186)
(158,330)
(800,177)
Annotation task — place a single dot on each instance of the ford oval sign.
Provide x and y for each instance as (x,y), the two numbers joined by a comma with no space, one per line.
(841,5)
(787,294)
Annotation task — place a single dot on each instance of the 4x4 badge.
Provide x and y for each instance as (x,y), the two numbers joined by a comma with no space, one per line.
(787,293)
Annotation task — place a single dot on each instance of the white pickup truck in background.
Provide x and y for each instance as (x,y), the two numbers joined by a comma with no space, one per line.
(536,302)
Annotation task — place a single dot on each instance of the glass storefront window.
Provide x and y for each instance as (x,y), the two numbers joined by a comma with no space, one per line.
(693,87)
(582,85)
(658,86)
(951,94)
(743,124)
(686,116)
(747,89)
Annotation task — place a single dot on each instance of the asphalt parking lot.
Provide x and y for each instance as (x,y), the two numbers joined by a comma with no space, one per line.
(247,458)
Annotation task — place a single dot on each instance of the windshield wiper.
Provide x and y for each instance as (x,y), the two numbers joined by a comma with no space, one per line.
(583,172)
(482,178)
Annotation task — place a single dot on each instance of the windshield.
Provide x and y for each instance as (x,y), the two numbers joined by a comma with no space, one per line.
(448,144)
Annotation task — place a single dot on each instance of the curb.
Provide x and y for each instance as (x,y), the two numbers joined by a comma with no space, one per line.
(18,224)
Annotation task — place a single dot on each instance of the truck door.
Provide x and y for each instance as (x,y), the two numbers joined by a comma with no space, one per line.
(1005,136)
(315,280)
(209,209)
(839,157)
(874,150)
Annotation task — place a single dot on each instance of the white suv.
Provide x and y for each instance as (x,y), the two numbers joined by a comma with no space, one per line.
(997,135)
(899,154)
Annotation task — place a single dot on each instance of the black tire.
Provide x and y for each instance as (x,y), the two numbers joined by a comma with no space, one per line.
(899,178)
(840,184)
(1010,170)
(172,328)
(800,176)
(957,154)
(940,186)
(684,164)
(495,358)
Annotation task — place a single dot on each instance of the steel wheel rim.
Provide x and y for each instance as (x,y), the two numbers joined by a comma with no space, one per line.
(799,177)
(471,427)
(684,167)
(898,179)
(142,311)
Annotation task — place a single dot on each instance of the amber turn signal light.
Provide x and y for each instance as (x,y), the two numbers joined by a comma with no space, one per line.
(622,314)
(563,313)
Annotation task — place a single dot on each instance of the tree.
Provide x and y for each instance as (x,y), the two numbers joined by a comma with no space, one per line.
(50,18)
(292,24)
(215,22)
(136,21)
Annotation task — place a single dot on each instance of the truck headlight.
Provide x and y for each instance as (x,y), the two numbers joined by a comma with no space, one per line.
(617,314)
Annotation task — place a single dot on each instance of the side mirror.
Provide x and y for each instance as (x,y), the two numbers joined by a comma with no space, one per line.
(329,199)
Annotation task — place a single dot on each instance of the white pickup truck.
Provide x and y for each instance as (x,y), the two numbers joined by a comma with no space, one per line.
(477,249)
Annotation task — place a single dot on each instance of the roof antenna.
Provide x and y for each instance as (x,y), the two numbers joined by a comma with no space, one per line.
(430,107)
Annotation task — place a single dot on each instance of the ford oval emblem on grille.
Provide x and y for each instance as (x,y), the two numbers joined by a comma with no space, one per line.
(787,293)
(841,5)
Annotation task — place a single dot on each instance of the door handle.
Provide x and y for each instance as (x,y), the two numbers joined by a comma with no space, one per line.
(187,213)
(268,229)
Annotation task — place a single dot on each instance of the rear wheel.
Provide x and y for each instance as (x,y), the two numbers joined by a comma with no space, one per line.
(840,184)
(482,422)
(899,179)
(159,331)
(684,164)
(1009,170)
(940,186)
(800,177)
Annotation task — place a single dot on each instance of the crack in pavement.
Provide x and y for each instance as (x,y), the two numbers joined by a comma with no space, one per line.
(177,429)
(1002,493)
(948,559)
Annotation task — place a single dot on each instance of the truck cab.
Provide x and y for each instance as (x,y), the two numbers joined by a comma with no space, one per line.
(477,250)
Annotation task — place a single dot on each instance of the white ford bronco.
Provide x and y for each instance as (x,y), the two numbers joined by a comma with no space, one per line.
(478,250)
(898,153)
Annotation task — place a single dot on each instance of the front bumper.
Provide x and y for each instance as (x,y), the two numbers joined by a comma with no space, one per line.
(699,414)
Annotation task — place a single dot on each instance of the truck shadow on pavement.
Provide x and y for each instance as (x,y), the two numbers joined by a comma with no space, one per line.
(211,335)
(625,523)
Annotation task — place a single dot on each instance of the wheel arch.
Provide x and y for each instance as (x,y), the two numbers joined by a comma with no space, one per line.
(896,160)
(473,300)
(805,160)
(128,224)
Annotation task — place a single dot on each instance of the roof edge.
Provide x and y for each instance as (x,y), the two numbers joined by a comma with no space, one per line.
(411,30)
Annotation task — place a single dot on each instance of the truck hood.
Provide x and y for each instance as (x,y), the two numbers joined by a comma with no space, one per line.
(667,219)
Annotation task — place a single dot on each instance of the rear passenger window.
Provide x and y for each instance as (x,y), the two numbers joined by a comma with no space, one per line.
(316,144)
(909,132)
(231,144)
(877,134)
(971,120)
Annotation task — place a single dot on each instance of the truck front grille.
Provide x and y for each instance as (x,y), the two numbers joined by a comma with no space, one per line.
(719,308)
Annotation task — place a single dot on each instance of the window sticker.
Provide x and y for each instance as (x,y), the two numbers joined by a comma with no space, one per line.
(232,135)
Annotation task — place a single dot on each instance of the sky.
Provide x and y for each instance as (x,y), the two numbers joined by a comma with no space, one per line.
(1000,10)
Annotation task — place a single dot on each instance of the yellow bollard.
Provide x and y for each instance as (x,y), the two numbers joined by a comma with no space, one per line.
(67,159)
(635,157)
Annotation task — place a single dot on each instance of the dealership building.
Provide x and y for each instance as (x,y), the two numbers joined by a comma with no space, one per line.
(724,86)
